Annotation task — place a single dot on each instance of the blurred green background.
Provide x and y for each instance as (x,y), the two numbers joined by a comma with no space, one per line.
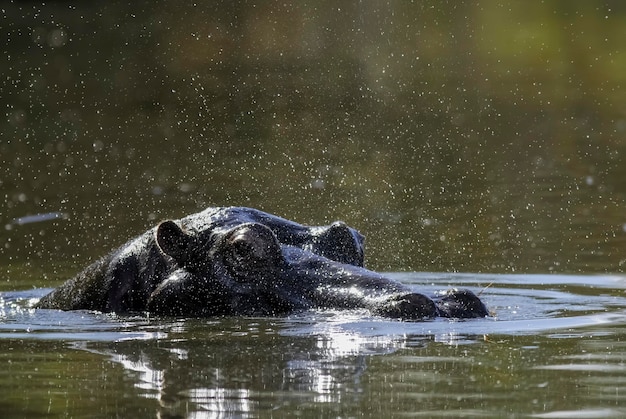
(482,136)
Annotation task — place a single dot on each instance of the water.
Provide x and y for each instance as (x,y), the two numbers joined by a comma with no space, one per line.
(457,136)
(553,349)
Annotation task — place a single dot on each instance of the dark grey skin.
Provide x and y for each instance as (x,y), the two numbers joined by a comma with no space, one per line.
(241,261)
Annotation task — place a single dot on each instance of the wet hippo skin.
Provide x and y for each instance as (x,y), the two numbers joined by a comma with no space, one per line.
(236,261)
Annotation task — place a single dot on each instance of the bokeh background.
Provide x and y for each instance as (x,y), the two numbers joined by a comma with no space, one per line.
(483,136)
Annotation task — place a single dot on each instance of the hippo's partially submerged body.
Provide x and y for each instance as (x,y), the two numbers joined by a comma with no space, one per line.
(241,261)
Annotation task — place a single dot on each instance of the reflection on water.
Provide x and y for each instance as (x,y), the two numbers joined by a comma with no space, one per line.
(551,337)
(216,402)
(321,367)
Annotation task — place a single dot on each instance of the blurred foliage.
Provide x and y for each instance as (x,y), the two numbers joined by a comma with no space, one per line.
(458,136)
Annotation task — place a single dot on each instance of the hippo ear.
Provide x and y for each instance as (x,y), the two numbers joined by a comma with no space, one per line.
(341,243)
(173,241)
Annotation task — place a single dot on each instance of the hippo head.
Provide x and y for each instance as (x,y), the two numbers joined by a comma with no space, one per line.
(246,270)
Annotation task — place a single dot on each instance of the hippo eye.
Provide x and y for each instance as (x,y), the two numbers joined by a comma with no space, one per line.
(251,248)
(243,252)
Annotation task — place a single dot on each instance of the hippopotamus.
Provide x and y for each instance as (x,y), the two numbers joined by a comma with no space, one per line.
(237,261)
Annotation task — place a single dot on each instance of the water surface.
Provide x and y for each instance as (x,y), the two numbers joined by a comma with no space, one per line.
(552,349)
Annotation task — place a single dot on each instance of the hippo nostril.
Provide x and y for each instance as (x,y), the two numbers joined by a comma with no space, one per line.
(412,306)
(461,304)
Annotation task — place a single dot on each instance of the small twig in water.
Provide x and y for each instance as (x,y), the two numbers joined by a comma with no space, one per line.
(486,286)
